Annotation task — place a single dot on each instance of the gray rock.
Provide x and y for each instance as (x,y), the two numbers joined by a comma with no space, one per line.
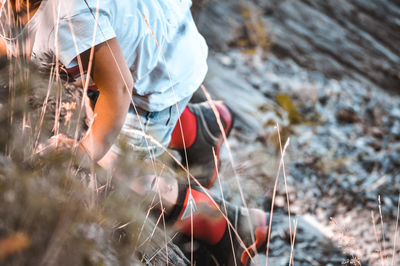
(340,38)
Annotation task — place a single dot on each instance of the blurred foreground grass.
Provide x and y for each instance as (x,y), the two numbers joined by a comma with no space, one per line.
(51,211)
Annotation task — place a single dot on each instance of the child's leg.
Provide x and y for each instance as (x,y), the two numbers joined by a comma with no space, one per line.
(193,212)
(201,134)
(183,206)
(145,134)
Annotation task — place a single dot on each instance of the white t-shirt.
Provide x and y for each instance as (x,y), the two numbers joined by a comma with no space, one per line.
(159,40)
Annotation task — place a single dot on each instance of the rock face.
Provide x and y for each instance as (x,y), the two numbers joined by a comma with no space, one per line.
(330,60)
(357,39)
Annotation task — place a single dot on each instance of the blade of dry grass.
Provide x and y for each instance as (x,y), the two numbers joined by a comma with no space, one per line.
(396,231)
(291,261)
(273,198)
(230,154)
(377,239)
(286,187)
(382,227)
(160,197)
(224,205)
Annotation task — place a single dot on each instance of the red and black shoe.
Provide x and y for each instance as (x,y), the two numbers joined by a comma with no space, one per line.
(236,242)
(202,134)
(251,226)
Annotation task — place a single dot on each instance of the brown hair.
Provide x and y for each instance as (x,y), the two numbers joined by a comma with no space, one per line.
(32,3)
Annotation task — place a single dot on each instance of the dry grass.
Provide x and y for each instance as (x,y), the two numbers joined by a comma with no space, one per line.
(51,210)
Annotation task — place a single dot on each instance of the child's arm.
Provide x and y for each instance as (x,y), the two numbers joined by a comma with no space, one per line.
(112,76)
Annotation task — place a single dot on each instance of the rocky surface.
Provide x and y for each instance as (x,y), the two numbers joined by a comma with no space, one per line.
(357,39)
(326,72)
(341,163)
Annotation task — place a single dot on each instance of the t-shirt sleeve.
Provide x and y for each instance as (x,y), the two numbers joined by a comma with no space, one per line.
(78,33)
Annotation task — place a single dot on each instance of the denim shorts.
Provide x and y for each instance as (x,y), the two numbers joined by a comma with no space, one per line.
(146,133)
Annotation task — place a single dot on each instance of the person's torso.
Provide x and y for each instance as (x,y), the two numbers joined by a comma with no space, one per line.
(160,43)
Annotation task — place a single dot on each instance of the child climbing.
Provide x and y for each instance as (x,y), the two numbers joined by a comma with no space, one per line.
(145,59)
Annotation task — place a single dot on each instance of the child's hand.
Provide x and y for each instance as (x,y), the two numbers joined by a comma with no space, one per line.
(61,143)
